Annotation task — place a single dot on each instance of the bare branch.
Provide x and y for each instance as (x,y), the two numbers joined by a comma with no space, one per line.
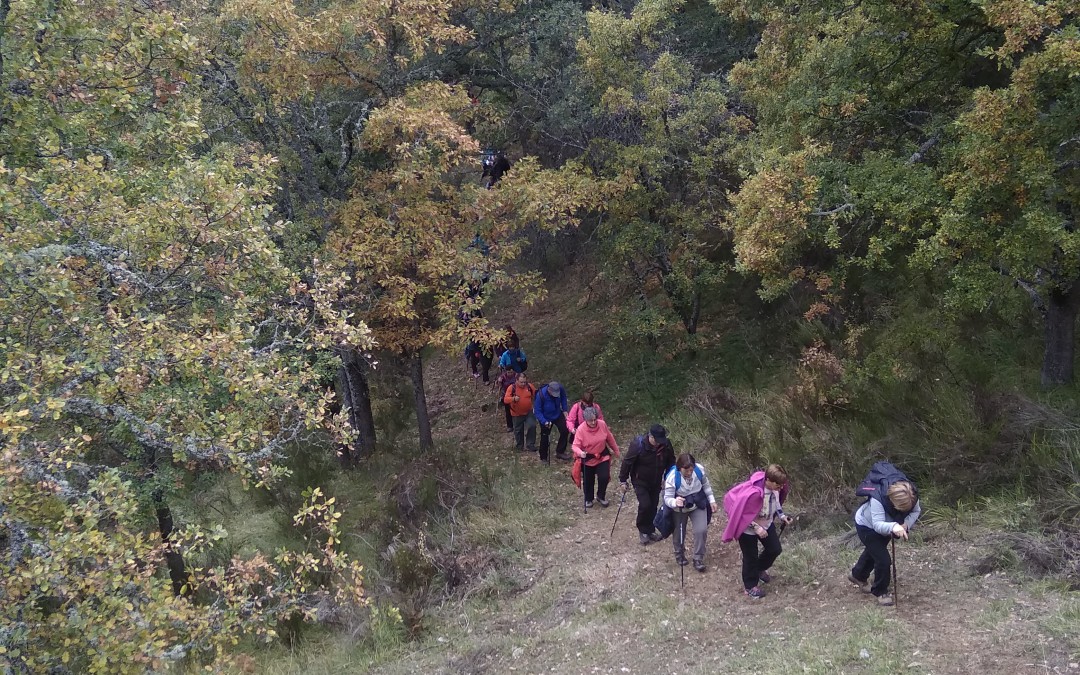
(923,149)
(833,212)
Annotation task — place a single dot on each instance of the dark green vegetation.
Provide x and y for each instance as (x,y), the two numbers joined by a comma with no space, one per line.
(237,238)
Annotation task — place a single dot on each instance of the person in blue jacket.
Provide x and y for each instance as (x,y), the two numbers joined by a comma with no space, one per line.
(514,359)
(550,408)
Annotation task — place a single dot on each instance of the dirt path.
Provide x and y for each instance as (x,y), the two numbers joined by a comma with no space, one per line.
(582,601)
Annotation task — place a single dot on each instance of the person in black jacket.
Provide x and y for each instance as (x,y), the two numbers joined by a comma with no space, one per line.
(495,164)
(648,457)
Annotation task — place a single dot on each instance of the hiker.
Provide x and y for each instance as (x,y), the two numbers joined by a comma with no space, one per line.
(519,396)
(479,359)
(647,458)
(690,497)
(509,339)
(514,358)
(574,418)
(495,165)
(753,507)
(593,446)
(889,513)
(549,406)
(506,378)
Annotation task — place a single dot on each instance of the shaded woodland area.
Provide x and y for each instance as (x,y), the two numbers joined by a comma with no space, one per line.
(235,233)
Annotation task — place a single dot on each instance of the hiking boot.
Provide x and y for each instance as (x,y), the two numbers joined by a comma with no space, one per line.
(699,565)
(885,600)
(864,586)
(603,502)
(655,536)
(509,430)
(563,456)
(644,539)
(533,449)
(681,560)
(588,505)
(764,577)
(755,593)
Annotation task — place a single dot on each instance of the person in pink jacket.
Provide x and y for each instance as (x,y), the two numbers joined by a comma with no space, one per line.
(753,507)
(574,418)
(594,445)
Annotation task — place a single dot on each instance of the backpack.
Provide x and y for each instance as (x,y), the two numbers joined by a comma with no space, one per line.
(876,486)
(516,357)
(678,475)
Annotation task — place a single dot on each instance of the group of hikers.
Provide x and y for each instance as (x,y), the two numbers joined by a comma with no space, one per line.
(673,491)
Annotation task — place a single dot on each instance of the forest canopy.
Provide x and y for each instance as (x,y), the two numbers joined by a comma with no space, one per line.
(221,219)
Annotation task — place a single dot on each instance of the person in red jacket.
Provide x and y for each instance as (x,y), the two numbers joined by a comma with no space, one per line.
(594,445)
(519,397)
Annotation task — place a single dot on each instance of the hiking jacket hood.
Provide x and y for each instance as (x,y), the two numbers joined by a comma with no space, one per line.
(743,502)
(646,464)
(547,407)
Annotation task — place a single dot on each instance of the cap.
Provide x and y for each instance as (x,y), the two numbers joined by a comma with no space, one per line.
(554,388)
(659,433)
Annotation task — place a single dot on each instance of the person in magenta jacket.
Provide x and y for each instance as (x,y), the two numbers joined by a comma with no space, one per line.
(574,418)
(752,508)
(594,445)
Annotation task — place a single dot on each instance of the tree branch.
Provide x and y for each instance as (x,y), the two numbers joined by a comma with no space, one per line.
(833,212)
(1028,286)
(923,149)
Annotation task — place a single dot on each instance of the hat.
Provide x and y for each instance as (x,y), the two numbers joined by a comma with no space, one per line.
(659,433)
(554,388)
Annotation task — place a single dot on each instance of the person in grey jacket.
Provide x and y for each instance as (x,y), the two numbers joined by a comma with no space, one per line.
(876,524)
(690,497)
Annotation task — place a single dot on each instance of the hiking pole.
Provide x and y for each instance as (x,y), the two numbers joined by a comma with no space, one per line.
(895,580)
(622,501)
(682,546)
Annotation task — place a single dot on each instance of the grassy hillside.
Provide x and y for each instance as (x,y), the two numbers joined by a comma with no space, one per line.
(480,559)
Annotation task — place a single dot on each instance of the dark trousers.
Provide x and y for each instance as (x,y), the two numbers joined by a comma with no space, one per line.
(509,417)
(648,500)
(525,431)
(875,557)
(601,475)
(545,437)
(753,562)
(481,364)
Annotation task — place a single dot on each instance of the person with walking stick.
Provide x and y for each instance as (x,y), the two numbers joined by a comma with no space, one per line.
(689,495)
(594,446)
(888,514)
(647,458)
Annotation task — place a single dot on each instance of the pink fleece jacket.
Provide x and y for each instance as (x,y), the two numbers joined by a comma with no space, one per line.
(589,443)
(743,502)
(574,419)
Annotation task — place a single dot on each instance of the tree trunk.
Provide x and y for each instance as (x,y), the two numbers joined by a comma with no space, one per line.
(1062,307)
(357,394)
(423,422)
(175,562)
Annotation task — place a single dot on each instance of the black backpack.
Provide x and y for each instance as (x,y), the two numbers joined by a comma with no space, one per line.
(876,486)
(517,360)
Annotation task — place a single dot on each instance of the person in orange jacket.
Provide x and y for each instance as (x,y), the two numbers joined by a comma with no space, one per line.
(519,397)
